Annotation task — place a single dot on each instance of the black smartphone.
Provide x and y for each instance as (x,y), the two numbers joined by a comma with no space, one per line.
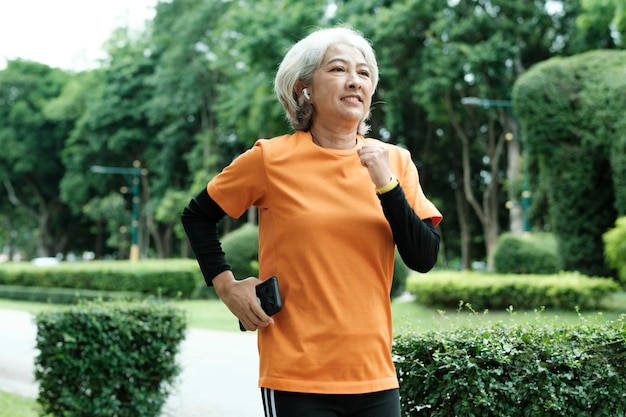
(268,295)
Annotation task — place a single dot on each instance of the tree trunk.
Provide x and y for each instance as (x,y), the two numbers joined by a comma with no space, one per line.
(462,211)
(487,209)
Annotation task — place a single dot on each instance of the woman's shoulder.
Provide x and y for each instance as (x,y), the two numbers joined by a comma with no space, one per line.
(279,141)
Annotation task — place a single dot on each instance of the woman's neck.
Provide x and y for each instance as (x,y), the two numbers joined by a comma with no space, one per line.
(333,139)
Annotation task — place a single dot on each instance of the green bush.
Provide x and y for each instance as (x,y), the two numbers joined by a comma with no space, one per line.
(528,254)
(241,247)
(514,371)
(103,360)
(62,295)
(483,291)
(615,248)
(571,114)
(400,274)
(168,278)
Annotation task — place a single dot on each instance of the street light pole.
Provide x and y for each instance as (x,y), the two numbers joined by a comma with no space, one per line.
(513,147)
(132,176)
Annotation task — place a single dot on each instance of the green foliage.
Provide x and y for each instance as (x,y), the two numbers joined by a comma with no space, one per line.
(599,19)
(178,278)
(400,274)
(103,360)
(528,254)
(524,292)
(30,161)
(514,371)
(570,113)
(113,212)
(264,30)
(241,247)
(618,167)
(61,295)
(615,248)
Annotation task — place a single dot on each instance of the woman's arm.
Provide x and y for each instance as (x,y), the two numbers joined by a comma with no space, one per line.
(417,240)
(200,218)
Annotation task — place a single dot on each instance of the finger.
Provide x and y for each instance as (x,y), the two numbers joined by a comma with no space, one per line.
(255,317)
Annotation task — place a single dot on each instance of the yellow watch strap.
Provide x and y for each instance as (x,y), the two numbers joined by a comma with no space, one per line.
(393,183)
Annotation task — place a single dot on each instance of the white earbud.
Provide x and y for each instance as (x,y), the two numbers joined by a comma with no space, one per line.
(305,93)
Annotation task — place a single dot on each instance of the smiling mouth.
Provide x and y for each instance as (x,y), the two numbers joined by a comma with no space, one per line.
(354,99)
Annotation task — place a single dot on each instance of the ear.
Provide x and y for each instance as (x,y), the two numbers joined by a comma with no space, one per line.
(298,86)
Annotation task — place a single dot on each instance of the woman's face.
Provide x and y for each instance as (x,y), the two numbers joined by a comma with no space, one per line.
(341,89)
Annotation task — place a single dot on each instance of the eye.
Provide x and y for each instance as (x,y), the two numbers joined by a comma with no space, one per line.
(365,73)
(338,69)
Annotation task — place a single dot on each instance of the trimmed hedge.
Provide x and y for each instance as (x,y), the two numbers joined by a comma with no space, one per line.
(527,254)
(62,295)
(518,371)
(107,359)
(571,114)
(179,278)
(481,291)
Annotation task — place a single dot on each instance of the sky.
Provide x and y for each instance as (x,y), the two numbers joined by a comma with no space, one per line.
(66,34)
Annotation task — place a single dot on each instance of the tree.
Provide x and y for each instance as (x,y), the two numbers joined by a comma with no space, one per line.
(114,128)
(30,163)
(110,213)
(254,36)
(602,24)
(186,41)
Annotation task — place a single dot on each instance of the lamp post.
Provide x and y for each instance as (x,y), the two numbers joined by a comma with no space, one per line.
(132,176)
(513,154)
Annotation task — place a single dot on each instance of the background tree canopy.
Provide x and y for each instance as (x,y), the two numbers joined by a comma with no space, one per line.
(195,89)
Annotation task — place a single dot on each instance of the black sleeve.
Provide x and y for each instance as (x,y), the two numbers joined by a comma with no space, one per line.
(200,218)
(416,239)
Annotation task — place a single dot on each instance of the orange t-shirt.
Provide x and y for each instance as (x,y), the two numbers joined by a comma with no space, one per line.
(323,234)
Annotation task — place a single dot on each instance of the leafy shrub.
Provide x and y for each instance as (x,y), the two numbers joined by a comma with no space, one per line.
(103,360)
(149,277)
(61,295)
(482,291)
(400,275)
(615,248)
(572,119)
(514,371)
(241,247)
(528,254)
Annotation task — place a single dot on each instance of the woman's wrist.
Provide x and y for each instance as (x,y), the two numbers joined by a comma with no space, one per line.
(391,184)
(222,281)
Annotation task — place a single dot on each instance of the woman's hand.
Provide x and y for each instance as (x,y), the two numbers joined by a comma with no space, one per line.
(240,298)
(375,157)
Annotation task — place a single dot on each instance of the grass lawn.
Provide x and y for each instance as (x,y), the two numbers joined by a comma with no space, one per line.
(17,406)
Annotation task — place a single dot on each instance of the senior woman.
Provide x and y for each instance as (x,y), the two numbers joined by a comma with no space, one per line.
(333,206)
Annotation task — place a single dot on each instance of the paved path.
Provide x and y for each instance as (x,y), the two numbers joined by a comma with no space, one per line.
(218,378)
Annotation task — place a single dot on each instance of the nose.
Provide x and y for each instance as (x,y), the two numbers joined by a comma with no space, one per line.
(354,81)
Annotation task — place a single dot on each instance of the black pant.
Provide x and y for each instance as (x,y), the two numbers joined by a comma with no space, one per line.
(296,404)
